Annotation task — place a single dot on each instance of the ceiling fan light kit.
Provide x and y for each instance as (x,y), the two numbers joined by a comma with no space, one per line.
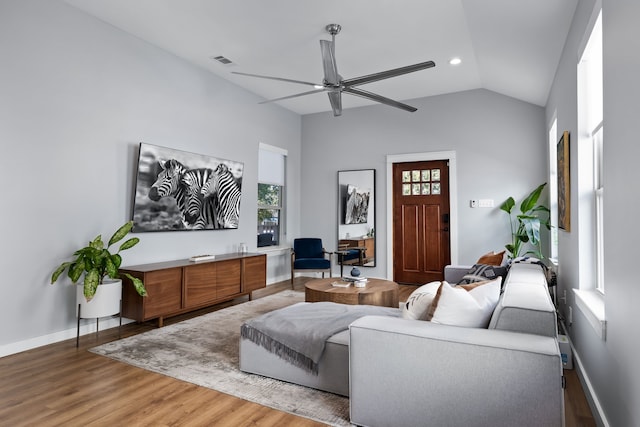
(335,85)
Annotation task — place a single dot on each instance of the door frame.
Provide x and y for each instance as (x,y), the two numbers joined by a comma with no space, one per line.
(450,156)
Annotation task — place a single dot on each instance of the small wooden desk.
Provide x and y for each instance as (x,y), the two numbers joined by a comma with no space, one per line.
(377,292)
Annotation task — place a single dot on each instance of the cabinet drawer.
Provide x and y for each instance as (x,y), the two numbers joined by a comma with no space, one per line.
(200,284)
(164,292)
(255,273)
(228,278)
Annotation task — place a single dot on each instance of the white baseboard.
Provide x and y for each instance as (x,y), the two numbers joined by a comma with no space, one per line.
(592,396)
(87,326)
(282,278)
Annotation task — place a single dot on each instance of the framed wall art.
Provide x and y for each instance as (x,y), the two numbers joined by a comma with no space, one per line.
(564,183)
(178,190)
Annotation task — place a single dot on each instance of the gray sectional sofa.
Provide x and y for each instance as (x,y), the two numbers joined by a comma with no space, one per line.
(401,372)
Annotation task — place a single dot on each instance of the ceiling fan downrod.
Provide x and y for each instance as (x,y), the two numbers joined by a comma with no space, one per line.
(333,29)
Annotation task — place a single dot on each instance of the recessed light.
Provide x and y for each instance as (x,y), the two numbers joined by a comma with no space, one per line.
(455,61)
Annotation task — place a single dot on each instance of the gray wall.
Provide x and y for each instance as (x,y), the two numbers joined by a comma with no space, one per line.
(609,368)
(76,98)
(500,150)
(77,95)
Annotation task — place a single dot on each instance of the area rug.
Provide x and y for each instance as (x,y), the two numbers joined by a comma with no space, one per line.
(204,351)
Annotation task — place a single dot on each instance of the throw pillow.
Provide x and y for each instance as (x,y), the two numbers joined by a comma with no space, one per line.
(482,272)
(419,301)
(491,258)
(459,306)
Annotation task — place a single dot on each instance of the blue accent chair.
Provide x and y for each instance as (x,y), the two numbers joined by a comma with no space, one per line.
(308,254)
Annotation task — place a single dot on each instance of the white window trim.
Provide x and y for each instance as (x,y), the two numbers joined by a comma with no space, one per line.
(591,304)
(281,248)
(553,190)
(590,301)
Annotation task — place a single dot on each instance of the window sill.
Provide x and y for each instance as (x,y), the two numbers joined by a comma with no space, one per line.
(591,304)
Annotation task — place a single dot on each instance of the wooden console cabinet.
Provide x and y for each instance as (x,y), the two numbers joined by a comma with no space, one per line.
(176,287)
(363,242)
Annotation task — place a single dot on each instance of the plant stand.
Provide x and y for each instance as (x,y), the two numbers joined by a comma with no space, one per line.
(106,302)
(97,323)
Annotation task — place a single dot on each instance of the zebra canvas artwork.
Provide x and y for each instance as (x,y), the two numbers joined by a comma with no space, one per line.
(356,205)
(178,190)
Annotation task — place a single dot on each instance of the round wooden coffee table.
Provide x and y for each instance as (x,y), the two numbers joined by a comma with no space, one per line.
(377,292)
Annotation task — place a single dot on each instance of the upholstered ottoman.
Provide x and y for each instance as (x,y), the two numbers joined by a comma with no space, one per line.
(301,324)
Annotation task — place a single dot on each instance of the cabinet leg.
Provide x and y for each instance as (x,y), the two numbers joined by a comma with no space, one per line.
(160,322)
(78,329)
(120,324)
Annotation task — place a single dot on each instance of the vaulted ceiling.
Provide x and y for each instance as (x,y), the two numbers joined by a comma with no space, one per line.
(508,46)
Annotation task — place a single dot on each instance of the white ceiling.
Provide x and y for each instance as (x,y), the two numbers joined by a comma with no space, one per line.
(508,46)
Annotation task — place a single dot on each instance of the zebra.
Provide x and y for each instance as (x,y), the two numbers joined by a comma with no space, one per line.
(200,207)
(225,192)
(176,181)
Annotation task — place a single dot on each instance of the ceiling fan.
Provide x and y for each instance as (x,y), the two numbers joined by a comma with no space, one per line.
(335,85)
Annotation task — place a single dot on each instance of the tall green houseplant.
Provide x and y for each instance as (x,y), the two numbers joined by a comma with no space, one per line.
(525,226)
(97,262)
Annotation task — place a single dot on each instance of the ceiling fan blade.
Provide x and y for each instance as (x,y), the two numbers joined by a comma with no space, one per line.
(277,78)
(331,75)
(379,98)
(292,96)
(336,102)
(389,73)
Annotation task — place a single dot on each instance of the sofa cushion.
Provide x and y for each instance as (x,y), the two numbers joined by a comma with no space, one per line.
(483,272)
(492,258)
(467,305)
(419,301)
(525,306)
(527,273)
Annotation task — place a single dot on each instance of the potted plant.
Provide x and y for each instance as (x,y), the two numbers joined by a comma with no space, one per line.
(525,227)
(99,265)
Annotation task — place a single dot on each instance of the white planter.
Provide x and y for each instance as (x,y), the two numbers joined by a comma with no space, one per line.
(106,301)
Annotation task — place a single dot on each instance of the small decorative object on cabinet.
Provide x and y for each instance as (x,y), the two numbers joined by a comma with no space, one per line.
(97,263)
(355,272)
(176,287)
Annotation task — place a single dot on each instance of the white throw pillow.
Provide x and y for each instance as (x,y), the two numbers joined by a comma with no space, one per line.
(419,301)
(466,305)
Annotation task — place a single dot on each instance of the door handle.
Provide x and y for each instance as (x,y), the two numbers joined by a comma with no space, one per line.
(445,229)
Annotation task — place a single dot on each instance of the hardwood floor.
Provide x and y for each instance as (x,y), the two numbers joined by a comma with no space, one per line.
(60,384)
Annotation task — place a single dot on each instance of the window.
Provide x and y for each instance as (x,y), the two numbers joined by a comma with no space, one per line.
(271,191)
(599,196)
(591,140)
(553,190)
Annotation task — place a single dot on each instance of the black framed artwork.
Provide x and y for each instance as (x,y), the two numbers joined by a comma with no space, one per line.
(179,190)
(564,183)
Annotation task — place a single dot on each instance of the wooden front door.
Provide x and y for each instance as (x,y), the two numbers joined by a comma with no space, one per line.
(421,246)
